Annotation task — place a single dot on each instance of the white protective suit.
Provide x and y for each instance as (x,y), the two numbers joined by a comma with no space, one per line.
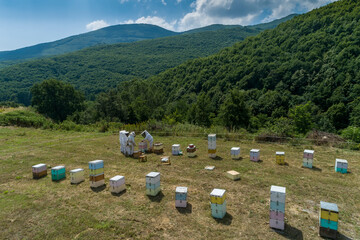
(149,138)
(130,146)
(123,140)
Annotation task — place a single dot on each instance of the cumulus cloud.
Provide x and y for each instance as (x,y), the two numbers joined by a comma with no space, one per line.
(95,25)
(155,21)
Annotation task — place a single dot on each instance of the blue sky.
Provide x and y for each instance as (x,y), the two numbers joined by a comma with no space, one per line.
(28,22)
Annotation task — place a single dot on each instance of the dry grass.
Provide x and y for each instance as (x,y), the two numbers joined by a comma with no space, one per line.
(42,209)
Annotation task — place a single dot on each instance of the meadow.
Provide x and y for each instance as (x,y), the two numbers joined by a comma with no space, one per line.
(42,209)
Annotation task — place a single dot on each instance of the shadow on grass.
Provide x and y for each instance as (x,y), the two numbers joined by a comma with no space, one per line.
(78,183)
(290,232)
(239,159)
(119,194)
(59,181)
(218,158)
(226,220)
(186,210)
(316,169)
(98,189)
(156,198)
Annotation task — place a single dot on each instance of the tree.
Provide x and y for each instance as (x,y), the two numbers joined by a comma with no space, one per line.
(234,112)
(202,113)
(56,99)
(338,115)
(301,115)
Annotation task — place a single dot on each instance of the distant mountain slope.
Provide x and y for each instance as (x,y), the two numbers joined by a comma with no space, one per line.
(100,68)
(107,35)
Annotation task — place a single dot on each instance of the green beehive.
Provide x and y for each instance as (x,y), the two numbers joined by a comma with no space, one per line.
(57,173)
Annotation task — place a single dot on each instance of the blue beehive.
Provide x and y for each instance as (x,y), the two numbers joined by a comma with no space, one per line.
(341,165)
(57,173)
(96,164)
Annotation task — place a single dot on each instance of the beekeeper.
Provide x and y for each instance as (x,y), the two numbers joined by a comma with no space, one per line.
(131,144)
(149,138)
(123,140)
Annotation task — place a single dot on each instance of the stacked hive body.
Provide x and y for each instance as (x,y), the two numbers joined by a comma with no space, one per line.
(255,155)
(280,158)
(218,203)
(235,153)
(191,150)
(212,145)
(158,148)
(39,171)
(143,147)
(117,184)
(341,165)
(308,158)
(58,173)
(329,216)
(181,197)
(175,149)
(153,183)
(97,177)
(277,207)
(77,176)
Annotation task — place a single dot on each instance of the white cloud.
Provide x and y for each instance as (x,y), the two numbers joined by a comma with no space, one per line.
(163,2)
(155,21)
(95,25)
(123,1)
(178,1)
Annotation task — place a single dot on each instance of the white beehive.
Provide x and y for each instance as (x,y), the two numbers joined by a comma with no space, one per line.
(117,184)
(235,153)
(77,176)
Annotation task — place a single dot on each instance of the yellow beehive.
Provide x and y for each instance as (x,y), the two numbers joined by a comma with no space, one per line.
(280,158)
(96,171)
(329,215)
(211,151)
(217,196)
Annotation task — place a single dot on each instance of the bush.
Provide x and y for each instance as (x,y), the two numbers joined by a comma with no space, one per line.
(351,133)
(24,118)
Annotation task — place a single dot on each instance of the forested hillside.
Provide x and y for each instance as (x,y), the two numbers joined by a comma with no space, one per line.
(98,69)
(304,73)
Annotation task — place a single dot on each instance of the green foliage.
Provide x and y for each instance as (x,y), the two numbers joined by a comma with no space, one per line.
(338,115)
(56,99)
(351,133)
(234,112)
(23,118)
(301,116)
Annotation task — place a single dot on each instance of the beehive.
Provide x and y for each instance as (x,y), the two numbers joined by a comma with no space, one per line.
(175,149)
(277,207)
(341,165)
(165,160)
(280,158)
(212,145)
(58,173)
(181,197)
(308,158)
(77,176)
(136,154)
(158,148)
(191,150)
(97,177)
(117,184)
(233,175)
(218,203)
(235,153)
(328,220)
(143,146)
(153,183)
(255,155)
(39,170)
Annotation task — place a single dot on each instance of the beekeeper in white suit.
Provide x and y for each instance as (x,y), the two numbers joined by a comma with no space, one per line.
(130,144)
(149,138)
(123,140)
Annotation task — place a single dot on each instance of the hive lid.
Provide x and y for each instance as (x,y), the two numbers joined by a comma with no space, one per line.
(153,174)
(329,206)
(278,189)
(280,153)
(210,168)
(309,151)
(165,158)
(176,145)
(235,148)
(341,160)
(76,170)
(232,172)
(96,161)
(117,178)
(191,145)
(39,165)
(181,190)
(218,192)
(212,135)
(58,167)
(255,150)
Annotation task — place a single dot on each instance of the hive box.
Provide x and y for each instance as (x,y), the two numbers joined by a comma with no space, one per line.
(181,197)
(77,176)
(235,153)
(117,184)
(191,149)
(95,178)
(97,184)
(277,207)
(143,147)
(58,173)
(255,155)
(175,149)
(96,169)
(341,165)
(212,145)
(153,183)
(158,148)
(96,164)
(136,154)
(165,160)
(308,154)
(280,158)
(39,170)
(329,215)
(218,203)
(233,175)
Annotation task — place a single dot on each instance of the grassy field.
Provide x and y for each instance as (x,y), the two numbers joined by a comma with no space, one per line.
(42,209)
